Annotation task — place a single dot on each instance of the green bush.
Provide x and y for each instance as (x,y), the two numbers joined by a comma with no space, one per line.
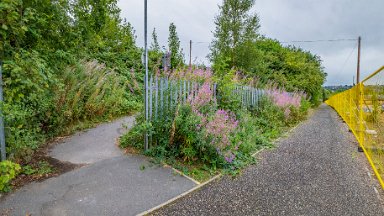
(8,171)
(298,114)
(191,142)
(217,132)
(252,135)
(195,135)
(269,118)
(65,67)
(36,109)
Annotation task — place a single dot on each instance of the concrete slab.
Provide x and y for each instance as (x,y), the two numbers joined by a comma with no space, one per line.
(117,186)
(93,145)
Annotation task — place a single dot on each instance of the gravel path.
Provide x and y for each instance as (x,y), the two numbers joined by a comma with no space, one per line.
(315,171)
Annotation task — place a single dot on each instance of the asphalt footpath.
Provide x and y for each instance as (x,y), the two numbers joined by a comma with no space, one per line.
(315,170)
(109,183)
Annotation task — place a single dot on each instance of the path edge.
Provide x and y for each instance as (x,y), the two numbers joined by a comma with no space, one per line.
(179,196)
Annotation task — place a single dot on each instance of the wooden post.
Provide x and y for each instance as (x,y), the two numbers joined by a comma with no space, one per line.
(358,60)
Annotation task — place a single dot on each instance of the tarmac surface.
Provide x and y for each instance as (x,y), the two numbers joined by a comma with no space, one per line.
(316,170)
(93,145)
(110,183)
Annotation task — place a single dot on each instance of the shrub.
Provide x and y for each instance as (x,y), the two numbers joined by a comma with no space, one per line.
(62,70)
(8,171)
(217,132)
(40,104)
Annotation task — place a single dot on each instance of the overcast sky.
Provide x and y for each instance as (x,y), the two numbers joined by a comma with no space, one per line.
(280,19)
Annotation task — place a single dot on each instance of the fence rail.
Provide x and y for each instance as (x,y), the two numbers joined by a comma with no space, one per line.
(362,108)
(164,94)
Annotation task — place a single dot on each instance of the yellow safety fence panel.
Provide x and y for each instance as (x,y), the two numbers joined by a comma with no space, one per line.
(362,108)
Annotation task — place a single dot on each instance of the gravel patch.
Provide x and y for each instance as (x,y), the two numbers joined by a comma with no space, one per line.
(314,171)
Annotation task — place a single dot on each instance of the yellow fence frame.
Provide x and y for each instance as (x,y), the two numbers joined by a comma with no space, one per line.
(349,102)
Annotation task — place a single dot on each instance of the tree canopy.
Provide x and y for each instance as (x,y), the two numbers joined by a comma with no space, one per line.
(236,27)
(64,61)
(238,45)
(177,56)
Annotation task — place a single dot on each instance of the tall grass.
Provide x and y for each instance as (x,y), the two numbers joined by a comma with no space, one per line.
(82,94)
(89,90)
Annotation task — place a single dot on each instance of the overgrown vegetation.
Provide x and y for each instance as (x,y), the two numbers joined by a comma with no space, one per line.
(8,171)
(208,133)
(237,44)
(65,62)
(70,63)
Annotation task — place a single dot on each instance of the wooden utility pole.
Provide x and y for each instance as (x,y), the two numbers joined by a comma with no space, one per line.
(358,60)
(190,53)
(359,94)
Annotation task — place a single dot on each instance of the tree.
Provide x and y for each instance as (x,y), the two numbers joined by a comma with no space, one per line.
(235,28)
(155,43)
(155,54)
(63,60)
(291,67)
(177,55)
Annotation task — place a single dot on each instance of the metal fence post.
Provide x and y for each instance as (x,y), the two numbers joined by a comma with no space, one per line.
(146,74)
(2,135)
(150,107)
(156,96)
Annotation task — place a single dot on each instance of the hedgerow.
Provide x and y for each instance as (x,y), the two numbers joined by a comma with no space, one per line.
(217,132)
(64,62)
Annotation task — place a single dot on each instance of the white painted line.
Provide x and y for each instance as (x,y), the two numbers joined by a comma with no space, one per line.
(179,196)
(254,154)
(377,192)
(199,184)
(182,174)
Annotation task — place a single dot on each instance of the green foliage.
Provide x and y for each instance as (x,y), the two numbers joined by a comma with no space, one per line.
(28,170)
(238,45)
(90,90)
(236,27)
(134,137)
(155,43)
(177,56)
(181,135)
(226,99)
(65,62)
(298,114)
(326,94)
(189,144)
(252,133)
(190,141)
(44,168)
(290,67)
(154,54)
(269,118)
(41,168)
(8,171)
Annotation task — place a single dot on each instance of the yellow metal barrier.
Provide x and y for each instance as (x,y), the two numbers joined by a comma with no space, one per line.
(362,108)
